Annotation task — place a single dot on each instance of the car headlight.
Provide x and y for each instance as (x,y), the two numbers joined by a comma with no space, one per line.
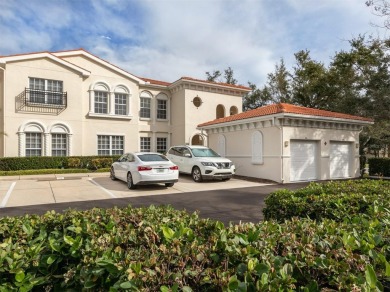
(208,164)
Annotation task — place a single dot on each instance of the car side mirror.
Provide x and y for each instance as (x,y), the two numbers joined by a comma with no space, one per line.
(187,155)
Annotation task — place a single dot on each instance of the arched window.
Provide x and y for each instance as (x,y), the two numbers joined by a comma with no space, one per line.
(101,93)
(31,139)
(60,140)
(220,112)
(162,106)
(221,149)
(233,110)
(145,104)
(122,100)
(197,140)
(257,147)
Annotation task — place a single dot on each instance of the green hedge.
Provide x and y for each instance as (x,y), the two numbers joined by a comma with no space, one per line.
(161,249)
(50,162)
(379,166)
(333,200)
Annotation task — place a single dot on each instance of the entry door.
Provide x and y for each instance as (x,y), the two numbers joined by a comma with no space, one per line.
(340,160)
(304,161)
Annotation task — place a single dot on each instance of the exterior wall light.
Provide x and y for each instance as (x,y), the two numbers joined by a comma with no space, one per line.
(285,143)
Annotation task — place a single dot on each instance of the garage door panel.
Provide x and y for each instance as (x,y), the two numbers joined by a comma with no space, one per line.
(340,160)
(303,161)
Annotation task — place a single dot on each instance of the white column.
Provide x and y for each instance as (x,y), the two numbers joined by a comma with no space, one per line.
(22,144)
(91,102)
(47,146)
(70,144)
(111,103)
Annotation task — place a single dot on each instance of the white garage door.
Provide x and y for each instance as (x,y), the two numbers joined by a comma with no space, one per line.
(340,160)
(304,160)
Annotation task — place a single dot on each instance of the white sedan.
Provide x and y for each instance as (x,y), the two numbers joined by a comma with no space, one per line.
(141,168)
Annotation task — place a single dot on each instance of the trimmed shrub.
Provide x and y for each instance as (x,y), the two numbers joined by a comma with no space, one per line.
(379,166)
(53,162)
(333,200)
(162,249)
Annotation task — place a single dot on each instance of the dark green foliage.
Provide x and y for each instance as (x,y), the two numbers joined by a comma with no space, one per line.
(379,166)
(333,200)
(51,162)
(161,249)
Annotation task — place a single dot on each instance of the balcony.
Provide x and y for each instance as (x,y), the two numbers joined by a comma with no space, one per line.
(41,101)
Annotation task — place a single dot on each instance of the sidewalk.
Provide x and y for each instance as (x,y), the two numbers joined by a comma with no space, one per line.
(54,176)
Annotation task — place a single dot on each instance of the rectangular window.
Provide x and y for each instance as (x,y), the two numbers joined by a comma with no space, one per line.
(33,144)
(45,91)
(120,104)
(145,108)
(161,145)
(145,144)
(161,109)
(110,145)
(101,102)
(58,145)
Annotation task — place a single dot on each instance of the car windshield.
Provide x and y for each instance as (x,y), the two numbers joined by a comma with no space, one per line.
(204,152)
(152,157)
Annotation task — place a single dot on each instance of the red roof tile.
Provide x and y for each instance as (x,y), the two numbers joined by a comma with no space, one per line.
(156,82)
(217,83)
(284,108)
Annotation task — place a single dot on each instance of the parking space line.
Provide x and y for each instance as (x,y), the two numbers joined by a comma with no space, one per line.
(6,198)
(102,188)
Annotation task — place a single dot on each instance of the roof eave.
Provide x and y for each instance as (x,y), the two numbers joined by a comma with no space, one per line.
(100,61)
(285,115)
(177,82)
(16,58)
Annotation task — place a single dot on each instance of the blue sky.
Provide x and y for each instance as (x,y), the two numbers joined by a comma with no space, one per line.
(168,39)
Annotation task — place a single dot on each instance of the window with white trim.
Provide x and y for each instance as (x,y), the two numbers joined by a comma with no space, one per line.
(145,105)
(161,145)
(33,144)
(121,103)
(145,144)
(162,109)
(257,147)
(59,144)
(101,102)
(45,91)
(110,145)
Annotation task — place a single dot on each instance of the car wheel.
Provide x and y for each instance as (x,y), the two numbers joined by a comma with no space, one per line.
(112,174)
(168,185)
(196,174)
(130,183)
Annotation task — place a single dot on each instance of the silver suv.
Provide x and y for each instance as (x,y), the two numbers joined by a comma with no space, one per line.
(201,162)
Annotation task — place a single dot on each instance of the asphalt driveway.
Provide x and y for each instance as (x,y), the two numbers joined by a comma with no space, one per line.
(234,201)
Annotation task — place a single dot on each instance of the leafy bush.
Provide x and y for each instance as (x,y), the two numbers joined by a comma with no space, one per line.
(161,249)
(379,166)
(333,200)
(53,162)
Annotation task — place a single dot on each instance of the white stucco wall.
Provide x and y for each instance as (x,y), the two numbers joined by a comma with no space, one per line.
(276,148)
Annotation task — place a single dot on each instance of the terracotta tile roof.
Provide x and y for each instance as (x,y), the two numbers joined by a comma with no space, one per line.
(155,82)
(217,83)
(284,108)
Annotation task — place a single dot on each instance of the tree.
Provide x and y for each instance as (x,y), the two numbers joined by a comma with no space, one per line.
(213,77)
(228,76)
(382,9)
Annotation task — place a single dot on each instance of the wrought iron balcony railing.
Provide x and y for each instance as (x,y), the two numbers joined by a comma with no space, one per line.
(41,101)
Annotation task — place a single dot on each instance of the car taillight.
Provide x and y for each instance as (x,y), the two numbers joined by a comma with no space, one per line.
(143,168)
(174,167)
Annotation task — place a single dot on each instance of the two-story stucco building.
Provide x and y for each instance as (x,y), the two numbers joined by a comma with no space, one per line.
(74,103)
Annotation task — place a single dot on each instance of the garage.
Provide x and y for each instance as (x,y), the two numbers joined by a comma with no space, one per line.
(304,161)
(340,160)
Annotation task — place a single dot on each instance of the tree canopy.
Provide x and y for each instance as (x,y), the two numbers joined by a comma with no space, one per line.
(357,82)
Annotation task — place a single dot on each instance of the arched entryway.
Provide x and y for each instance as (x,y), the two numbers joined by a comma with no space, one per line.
(197,140)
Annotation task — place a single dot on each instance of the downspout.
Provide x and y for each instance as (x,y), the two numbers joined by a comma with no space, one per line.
(3,119)
(282,148)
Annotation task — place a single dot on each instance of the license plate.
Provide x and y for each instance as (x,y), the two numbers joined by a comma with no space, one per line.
(160,170)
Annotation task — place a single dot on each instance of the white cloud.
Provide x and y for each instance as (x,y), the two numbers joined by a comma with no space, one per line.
(168,39)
